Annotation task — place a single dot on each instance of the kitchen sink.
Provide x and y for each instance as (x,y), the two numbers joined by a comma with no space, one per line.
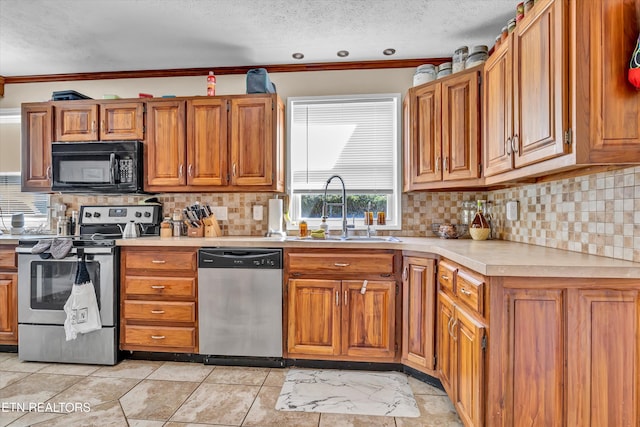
(345,239)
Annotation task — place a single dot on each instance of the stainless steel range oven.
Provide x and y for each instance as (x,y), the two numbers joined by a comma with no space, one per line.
(45,283)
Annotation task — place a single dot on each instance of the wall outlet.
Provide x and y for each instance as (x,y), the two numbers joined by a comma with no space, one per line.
(221,212)
(258,211)
(512,210)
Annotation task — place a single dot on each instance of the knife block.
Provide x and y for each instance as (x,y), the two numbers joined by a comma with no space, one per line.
(195,232)
(211,226)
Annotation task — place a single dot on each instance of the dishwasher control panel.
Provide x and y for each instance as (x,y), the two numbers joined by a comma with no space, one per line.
(250,258)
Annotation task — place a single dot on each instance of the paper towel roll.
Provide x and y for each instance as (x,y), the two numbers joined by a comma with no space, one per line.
(276,215)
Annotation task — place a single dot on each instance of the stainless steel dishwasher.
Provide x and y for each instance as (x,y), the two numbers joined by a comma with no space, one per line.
(240,302)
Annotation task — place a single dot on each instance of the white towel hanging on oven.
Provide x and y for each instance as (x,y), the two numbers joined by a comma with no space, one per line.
(81,308)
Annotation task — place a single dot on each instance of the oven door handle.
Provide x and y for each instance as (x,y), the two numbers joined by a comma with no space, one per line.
(113,167)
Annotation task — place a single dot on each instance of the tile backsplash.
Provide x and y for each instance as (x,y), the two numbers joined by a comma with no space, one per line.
(596,214)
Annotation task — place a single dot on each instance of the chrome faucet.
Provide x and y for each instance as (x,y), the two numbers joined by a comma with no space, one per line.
(343,204)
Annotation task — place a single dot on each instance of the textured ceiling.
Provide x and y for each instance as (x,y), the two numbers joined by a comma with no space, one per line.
(77,36)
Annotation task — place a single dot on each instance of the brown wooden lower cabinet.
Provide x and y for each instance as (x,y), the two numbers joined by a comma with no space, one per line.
(8,296)
(159,300)
(564,352)
(342,305)
(418,313)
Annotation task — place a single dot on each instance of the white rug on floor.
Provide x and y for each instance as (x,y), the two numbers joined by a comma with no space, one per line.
(348,392)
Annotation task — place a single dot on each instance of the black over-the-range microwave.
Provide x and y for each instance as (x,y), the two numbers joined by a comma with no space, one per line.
(101,166)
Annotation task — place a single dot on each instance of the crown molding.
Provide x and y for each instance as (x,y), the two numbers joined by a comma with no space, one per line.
(188,72)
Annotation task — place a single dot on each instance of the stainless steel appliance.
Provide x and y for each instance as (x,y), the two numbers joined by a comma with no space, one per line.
(105,166)
(240,302)
(45,283)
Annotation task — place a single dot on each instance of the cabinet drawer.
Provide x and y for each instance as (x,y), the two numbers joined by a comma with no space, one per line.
(183,287)
(160,310)
(8,257)
(161,260)
(469,290)
(341,263)
(446,275)
(159,336)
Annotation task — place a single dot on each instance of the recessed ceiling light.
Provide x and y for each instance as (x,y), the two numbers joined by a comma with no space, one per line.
(297,55)
(389,52)
(343,53)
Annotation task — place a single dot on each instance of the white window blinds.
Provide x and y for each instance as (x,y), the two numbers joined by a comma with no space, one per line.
(13,200)
(355,137)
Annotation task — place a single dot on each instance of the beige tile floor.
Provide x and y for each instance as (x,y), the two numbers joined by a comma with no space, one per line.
(152,394)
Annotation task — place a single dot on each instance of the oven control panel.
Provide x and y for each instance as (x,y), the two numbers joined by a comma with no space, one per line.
(103,215)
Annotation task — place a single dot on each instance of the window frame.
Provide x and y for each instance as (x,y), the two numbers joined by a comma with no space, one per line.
(394,209)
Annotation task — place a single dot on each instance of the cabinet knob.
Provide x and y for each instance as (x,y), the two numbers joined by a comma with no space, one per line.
(508,146)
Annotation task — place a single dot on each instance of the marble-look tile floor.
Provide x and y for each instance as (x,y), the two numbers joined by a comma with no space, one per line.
(140,393)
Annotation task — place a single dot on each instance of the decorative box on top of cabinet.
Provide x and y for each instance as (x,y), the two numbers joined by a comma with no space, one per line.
(8,295)
(227,143)
(159,299)
(442,132)
(556,95)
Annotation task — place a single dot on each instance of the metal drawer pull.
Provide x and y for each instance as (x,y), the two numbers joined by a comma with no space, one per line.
(337,298)
(157,337)
(453,327)
(346,298)
(341,264)
(464,291)
(443,277)
(404,274)
(449,326)
(363,289)
(157,286)
(158,261)
(157,311)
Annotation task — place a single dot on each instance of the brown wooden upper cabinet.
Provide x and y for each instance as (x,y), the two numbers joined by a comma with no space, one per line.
(104,120)
(541,117)
(442,132)
(231,143)
(37,134)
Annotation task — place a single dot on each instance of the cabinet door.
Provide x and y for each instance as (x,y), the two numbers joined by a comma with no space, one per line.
(607,105)
(8,309)
(37,134)
(252,141)
(122,121)
(207,142)
(496,145)
(418,305)
(445,343)
(540,78)
(314,317)
(469,368)
(461,127)
(166,143)
(603,369)
(533,359)
(408,130)
(369,318)
(76,122)
(426,143)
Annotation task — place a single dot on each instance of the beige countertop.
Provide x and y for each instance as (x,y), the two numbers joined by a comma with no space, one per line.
(490,257)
